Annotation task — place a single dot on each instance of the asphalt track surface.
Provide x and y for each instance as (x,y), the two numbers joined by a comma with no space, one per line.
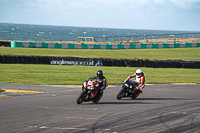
(162,108)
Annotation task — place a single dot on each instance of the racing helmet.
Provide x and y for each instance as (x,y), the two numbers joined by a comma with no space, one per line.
(100,74)
(138,73)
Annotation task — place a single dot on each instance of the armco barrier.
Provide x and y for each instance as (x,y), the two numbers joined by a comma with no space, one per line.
(103,46)
(11,59)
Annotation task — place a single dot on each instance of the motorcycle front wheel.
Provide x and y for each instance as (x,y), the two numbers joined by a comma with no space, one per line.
(80,97)
(121,94)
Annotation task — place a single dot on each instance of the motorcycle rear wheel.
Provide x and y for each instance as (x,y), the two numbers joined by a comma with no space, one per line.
(97,98)
(80,97)
(121,94)
(134,95)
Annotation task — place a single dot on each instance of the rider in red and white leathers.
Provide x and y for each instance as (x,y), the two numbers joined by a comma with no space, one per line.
(140,79)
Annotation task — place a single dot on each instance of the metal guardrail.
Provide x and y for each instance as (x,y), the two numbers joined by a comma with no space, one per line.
(138,37)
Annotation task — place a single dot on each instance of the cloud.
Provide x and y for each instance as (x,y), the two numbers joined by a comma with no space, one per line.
(142,14)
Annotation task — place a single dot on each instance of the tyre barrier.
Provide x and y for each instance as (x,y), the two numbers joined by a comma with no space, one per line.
(12,59)
(4,44)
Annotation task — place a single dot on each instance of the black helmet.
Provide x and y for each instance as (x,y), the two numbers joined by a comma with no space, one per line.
(100,74)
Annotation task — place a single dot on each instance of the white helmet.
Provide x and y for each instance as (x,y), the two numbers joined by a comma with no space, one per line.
(138,72)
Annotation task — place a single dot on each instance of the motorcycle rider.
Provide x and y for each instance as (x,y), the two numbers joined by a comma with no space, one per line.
(140,79)
(101,80)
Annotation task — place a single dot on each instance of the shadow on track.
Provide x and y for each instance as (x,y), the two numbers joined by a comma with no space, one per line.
(124,103)
(162,99)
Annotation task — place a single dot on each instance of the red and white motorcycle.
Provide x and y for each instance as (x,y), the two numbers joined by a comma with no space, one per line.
(89,92)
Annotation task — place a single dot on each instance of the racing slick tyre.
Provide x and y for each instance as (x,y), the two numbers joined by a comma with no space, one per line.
(121,94)
(135,94)
(98,97)
(80,97)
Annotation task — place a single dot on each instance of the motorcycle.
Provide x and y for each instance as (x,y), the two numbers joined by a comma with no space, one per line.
(129,89)
(89,92)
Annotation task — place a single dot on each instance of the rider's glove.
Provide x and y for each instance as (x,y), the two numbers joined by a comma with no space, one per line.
(137,88)
(126,80)
(89,79)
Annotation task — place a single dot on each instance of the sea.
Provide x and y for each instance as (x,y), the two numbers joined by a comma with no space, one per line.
(23,32)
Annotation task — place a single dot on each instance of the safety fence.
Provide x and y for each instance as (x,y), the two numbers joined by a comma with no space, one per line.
(136,38)
(103,46)
(11,59)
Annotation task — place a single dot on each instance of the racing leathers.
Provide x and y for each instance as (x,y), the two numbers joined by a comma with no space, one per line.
(101,81)
(140,80)
(103,84)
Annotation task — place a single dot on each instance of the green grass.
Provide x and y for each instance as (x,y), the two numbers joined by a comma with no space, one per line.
(75,75)
(169,53)
(2,90)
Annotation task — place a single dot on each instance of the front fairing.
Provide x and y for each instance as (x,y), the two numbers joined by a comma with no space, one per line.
(129,84)
(90,88)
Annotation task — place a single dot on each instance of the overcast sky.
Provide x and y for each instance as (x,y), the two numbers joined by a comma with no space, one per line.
(128,14)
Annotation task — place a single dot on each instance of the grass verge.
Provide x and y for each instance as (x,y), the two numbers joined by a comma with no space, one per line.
(152,54)
(75,75)
(2,90)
